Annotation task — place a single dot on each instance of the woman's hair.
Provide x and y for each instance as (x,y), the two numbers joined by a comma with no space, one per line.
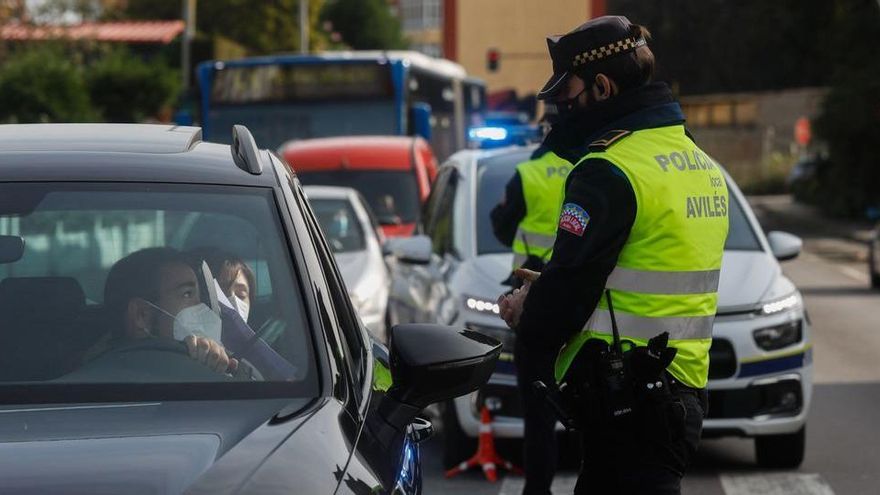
(227,270)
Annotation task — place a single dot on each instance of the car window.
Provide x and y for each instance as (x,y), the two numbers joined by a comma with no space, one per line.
(393,195)
(353,345)
(340,224)
(114,278)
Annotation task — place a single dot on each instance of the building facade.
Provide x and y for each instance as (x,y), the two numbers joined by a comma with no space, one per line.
(466,30)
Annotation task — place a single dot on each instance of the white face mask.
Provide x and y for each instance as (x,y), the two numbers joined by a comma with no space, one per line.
(242,306)
(198,320)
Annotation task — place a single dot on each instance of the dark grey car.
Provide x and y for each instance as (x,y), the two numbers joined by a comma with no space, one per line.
(100,391)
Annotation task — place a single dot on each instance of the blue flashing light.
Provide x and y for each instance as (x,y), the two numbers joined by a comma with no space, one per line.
(488,133)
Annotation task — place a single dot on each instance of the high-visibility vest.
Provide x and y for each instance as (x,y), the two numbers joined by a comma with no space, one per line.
(543,184)
(666,277)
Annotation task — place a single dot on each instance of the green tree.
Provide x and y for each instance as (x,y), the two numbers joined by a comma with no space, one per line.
(365,24)
(261,27)
(850,119)
(42,84)
(124,88)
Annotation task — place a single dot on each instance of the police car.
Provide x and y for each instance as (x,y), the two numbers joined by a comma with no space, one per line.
(761,366)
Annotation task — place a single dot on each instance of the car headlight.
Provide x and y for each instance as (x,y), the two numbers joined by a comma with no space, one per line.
(780,305)
(778,336)
(481,305)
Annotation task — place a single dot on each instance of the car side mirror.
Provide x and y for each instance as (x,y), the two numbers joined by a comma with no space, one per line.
(784,246)
(434,363)
(415,250)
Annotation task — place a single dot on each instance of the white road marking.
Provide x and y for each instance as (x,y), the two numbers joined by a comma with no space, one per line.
(563,484)
(853,273)
(775,484)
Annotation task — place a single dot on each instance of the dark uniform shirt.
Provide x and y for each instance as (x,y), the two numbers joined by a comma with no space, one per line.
(570,286)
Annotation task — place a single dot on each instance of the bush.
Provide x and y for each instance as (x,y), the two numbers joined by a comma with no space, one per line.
(124,88)
(43,85)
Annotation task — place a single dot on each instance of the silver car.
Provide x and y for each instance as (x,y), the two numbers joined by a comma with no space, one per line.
(761,359)
(356,242)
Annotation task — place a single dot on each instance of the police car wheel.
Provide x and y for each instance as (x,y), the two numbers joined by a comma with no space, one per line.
(457,446)
(781,451)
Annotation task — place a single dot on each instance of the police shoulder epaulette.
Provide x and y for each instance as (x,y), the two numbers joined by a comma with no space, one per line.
(609,139)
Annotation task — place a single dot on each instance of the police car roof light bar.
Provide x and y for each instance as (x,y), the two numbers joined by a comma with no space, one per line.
(245,153)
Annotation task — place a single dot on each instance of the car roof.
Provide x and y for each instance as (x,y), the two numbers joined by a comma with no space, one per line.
(354,152)
(116,153)
(329,192)
(471,157)
(130,138)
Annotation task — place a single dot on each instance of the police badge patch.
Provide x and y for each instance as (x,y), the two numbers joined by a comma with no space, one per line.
(573,219)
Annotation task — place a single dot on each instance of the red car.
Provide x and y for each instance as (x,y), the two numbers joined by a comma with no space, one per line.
(393,173)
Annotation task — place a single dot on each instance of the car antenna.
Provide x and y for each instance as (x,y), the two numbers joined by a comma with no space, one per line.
(245,153)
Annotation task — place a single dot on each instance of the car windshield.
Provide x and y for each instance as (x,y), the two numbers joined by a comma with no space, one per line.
(340,224)
(105,284)
(393,195)
(494,173)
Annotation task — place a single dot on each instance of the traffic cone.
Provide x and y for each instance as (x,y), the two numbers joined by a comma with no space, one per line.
(486,457)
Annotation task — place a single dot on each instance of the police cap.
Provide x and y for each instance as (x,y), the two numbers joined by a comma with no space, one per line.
(597,39)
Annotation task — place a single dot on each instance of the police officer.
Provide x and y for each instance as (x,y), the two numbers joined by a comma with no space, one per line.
(645,217)
(525,219)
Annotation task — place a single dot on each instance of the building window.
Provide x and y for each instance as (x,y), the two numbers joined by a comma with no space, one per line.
(416,15)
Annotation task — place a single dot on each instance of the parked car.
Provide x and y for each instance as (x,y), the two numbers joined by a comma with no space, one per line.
(356,241)
(761,359)
(393,173)
(102,230)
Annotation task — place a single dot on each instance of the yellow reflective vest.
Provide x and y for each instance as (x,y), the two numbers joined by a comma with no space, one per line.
(666,277)
(543,184)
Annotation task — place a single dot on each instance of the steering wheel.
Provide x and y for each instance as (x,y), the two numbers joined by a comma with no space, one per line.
(178,347)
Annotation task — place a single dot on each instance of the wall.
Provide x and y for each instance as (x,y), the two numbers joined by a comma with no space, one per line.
(752,134)
(518,28)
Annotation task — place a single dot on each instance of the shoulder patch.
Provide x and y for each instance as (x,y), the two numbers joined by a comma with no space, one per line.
(609,139)
(574,219)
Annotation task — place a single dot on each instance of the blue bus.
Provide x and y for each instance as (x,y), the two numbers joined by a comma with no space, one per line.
(286,97)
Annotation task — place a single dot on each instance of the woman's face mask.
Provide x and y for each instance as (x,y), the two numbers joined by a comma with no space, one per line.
(198,320)
(242,306)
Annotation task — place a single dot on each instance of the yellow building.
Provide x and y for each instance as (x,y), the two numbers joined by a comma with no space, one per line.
(465,31)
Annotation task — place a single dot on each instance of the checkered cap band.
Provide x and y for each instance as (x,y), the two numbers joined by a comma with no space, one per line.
(595,54)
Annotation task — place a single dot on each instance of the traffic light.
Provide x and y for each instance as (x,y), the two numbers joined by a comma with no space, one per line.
(493,56)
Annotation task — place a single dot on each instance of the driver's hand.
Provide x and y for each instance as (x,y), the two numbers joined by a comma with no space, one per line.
(210,353)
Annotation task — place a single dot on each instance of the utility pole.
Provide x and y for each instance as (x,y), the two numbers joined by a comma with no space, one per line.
(304,26)
(189,33)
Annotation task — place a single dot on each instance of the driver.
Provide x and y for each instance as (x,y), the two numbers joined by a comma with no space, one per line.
(154,294)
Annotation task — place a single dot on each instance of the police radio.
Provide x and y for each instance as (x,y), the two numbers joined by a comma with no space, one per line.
(616,387)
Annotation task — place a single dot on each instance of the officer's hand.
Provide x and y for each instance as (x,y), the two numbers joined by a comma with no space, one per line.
(526,275)
(511,306)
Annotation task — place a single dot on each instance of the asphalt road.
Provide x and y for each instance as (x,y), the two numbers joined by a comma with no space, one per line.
(843,436)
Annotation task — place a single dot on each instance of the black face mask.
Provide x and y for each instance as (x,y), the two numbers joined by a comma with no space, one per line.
(568,107)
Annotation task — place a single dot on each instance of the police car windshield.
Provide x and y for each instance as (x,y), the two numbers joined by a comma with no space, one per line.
(493,174)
